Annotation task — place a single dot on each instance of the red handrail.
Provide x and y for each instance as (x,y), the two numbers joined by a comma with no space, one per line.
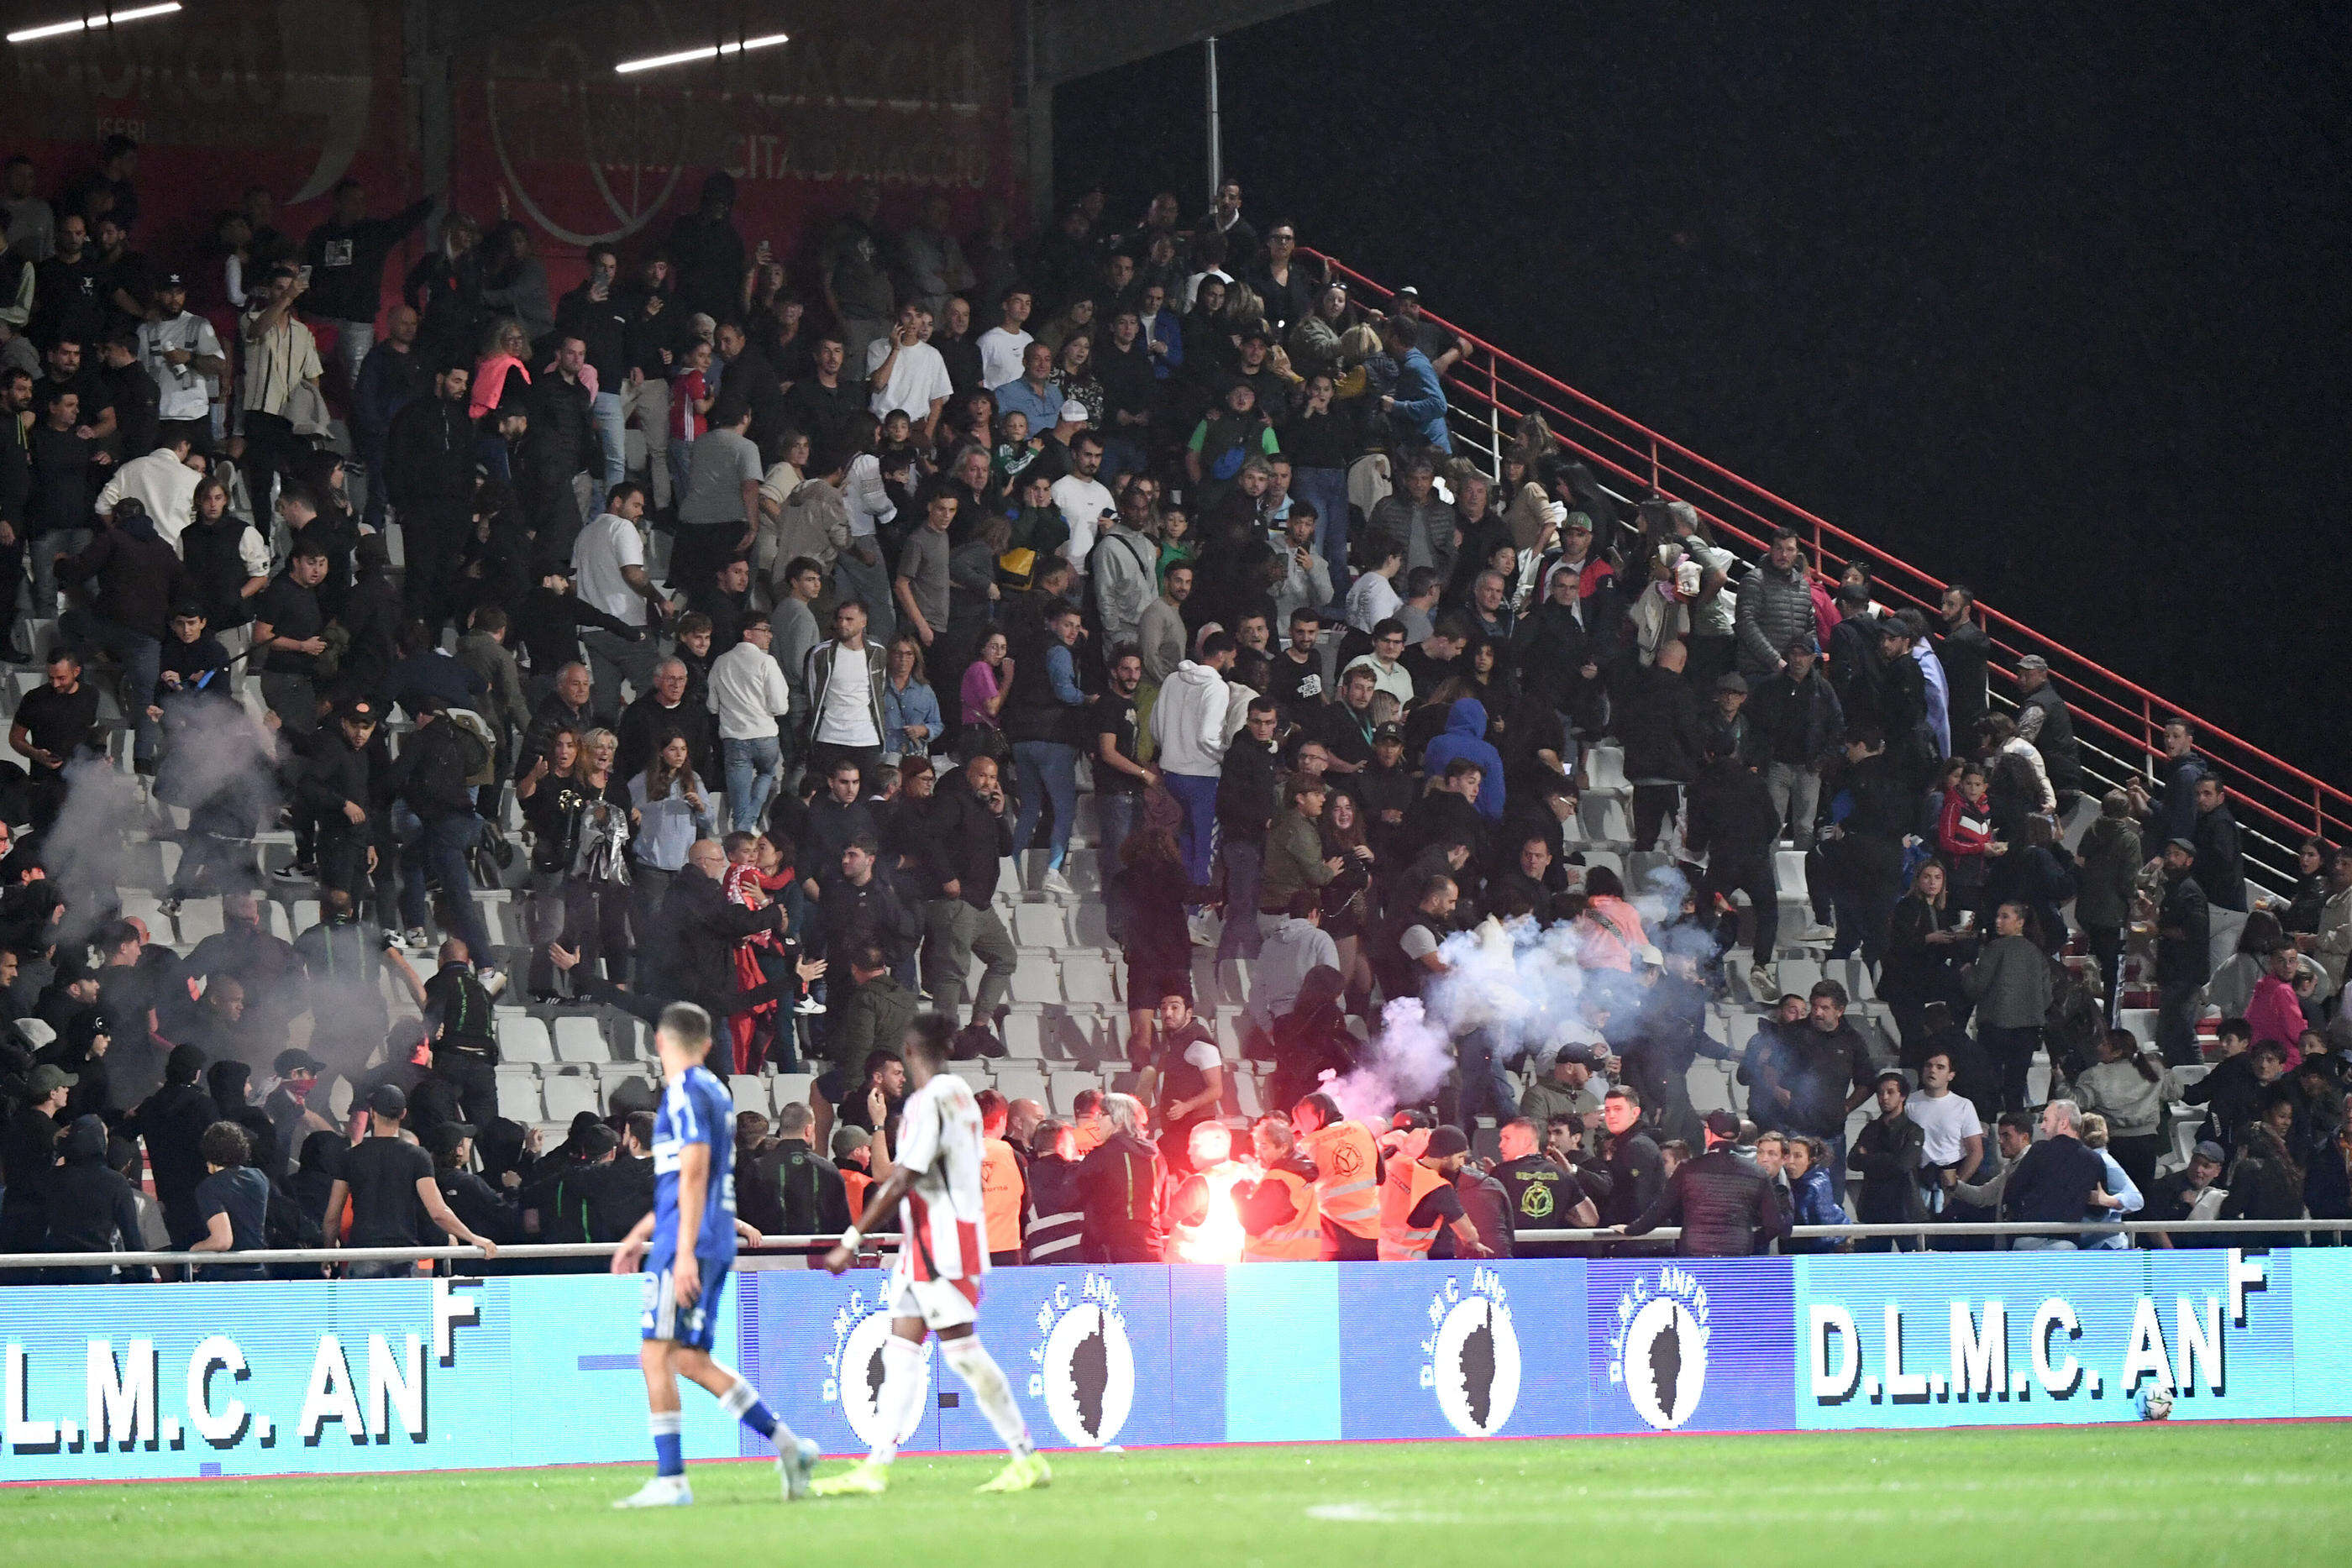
(1489,380)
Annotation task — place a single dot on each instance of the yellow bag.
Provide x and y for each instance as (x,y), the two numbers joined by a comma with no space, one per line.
(1016,568)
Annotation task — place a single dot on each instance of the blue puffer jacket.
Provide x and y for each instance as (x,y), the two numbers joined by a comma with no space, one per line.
(1813,1203)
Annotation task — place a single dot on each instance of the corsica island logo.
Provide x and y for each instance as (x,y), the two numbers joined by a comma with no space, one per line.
(1471,1358)
(1658,1352)
(1083,1366)
(852,1372)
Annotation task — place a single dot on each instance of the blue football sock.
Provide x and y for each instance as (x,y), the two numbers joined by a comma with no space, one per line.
(670,1449)
(743,1402)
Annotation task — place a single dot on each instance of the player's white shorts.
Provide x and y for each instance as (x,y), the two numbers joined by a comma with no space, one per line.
(941,1304)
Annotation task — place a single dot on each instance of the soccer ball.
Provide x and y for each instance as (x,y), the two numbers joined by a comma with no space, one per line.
(2155,1404)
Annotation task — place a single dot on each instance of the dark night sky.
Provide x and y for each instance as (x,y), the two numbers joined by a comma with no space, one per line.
(2049,301)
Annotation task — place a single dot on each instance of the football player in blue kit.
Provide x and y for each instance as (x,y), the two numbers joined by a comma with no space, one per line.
(686,1248)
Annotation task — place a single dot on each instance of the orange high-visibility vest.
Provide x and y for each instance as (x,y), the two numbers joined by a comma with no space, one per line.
(1346,1167)
(1409,1181)
(854,1184)
(1297,1239)
(1000,1195)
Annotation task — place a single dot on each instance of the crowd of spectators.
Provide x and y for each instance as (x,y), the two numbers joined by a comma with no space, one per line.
(892,560)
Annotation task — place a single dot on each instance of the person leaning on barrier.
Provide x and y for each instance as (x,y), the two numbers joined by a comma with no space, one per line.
(1725,1206)
(2060,1181)
(388,1182)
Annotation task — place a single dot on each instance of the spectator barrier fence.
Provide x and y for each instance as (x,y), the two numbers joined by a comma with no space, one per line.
(193,1380)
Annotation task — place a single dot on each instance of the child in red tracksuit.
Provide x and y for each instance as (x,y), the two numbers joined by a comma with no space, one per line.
(1964,837)
(768,964)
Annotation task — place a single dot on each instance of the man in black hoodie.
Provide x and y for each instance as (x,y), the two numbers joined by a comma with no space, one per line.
(1660,723)
(431,776)
(969,834)
(172,1122)
(91,1207)
(1247,797)
(29,1159)
(1733,821)
(429,478)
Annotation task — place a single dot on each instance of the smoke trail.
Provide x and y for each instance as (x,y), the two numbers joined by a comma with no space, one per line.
(1528,987)
(215,760)
(82,851)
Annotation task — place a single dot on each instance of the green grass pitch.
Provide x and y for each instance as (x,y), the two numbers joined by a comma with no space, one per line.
(2195,1495)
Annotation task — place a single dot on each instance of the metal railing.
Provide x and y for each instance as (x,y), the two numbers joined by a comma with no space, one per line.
(2119,722)
(773,1245)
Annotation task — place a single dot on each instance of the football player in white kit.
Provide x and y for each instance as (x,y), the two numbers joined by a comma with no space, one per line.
(934,1184)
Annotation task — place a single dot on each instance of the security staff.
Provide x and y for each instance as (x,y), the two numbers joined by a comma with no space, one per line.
(1204,1226)
(1281,1220)
(1417,1195)
(1346,1178)
(1002,1187)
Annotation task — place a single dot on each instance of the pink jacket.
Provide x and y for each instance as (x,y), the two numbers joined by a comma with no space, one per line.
(2274,1014)
(490,382)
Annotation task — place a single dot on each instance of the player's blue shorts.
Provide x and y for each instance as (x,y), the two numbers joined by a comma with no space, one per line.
(664,1319)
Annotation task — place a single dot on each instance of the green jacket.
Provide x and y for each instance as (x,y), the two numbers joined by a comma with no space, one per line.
(1294,859)
(877,1016)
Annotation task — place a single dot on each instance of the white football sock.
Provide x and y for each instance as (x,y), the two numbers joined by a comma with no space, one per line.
(990,1387)
(902,1394)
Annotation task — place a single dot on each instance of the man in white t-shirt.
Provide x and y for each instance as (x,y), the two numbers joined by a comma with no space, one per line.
(845,686)
(1082,497)
(183,354)
(608,566)
(905,374)
(1373,598)
(1954,1142)
(1000,346)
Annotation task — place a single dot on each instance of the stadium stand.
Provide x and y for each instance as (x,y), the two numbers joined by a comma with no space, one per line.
(1058,723)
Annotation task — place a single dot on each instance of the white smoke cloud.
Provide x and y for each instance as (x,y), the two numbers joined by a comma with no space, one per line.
(1526,986)
(211,751)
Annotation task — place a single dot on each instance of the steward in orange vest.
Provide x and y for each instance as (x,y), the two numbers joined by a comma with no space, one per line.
(1347,1178)
(1281,1221)
(1417,1196)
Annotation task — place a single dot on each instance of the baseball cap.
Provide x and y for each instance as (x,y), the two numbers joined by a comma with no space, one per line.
(388,1099)
(294,1064)
(1408,292)
(173,280)
(1388,732)
(47,1080)
(1722,1125)
(1734,682)
(445,1138)
(1259,334)
(1446,1141)
(1803,643)
(1074,412)
(1578,523)
(2209,1151)
(2033,662)
(358,710)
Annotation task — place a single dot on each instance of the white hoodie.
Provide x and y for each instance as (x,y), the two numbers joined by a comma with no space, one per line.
(1188,721)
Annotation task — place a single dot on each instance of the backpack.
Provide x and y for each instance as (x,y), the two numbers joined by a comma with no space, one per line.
(476,744)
